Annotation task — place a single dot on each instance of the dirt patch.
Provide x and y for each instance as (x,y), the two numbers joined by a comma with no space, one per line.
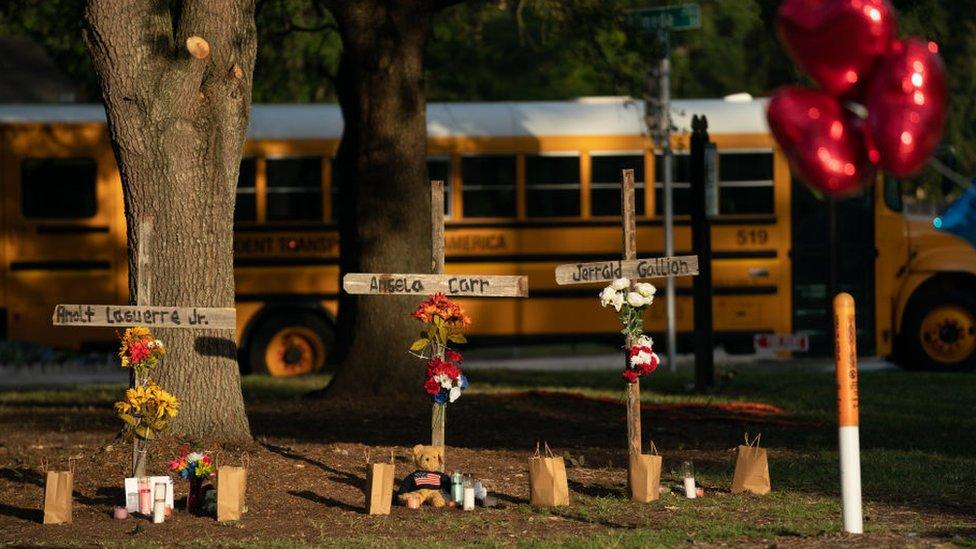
(307,472)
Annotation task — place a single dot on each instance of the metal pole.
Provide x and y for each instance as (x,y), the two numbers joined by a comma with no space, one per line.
(665,132)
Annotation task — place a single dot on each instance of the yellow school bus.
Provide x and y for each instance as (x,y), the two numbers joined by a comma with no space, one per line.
(529,185)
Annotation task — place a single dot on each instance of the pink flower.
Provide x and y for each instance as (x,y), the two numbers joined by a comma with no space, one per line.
(453,356)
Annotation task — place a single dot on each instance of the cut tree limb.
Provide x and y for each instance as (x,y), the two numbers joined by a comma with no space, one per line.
(198,47)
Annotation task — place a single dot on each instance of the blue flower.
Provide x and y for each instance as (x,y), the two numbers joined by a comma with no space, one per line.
(442,397)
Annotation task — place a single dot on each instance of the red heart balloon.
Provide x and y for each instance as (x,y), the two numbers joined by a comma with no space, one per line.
(907,104)
(823,141)
(838,42)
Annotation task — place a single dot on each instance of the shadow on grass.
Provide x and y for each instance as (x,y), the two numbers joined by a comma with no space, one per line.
(30,515)
(328,502)
(22,475)
(335,474)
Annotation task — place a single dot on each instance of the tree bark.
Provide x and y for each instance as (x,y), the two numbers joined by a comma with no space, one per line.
(176,82)
(384,220)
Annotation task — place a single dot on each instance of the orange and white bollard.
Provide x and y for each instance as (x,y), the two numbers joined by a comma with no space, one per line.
(845,333)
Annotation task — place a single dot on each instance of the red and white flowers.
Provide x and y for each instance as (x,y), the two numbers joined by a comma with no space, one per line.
(444,321)
(641,359)
(630,301)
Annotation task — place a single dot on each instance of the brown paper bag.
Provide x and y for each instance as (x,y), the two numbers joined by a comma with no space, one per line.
(57,496)
(231,487)
(548,485)
(751,469)
(644,476)
(379,486)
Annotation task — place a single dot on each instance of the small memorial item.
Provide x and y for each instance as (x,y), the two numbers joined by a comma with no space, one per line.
(644,476)
(468,494)
(427,484)
(379,487)
(159,502)
(145,496)
(231,487)
(457,487)
(58,487)
(131,485)
(195,467)
(688,469)
(120,513)
(548,486)
(751,468)
(413,502)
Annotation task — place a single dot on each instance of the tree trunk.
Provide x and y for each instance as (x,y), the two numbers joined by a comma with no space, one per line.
(384,220)
(176,82)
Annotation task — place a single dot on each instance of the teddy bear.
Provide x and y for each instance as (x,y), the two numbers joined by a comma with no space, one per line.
(427,483)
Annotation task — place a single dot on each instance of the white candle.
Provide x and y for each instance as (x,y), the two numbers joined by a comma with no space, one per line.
(159,512)
(690,488)
(468,498)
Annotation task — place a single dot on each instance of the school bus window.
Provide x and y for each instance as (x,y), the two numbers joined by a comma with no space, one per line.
(439,168)
(58,188)
(245,204)
(552,186)
(681,188)
(605,182)
(294,188)
(745,183)
(489,186)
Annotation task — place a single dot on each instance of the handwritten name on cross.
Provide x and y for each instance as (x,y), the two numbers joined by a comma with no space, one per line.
(144,314)
(468,285)
(634,269)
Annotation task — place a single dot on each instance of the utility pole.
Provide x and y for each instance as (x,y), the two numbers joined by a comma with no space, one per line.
(664,142)
(657,116)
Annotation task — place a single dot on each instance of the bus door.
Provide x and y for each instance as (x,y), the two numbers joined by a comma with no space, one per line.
(61,207)
(851,259)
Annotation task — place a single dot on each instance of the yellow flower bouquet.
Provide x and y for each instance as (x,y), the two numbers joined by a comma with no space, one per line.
(146,411)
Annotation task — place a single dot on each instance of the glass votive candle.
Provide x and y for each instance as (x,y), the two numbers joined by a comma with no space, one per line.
(689,475)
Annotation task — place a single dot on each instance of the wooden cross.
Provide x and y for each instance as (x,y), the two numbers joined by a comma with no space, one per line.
(143,314)
(424,284)
(634,269)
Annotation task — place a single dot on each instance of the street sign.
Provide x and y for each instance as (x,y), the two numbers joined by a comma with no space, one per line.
(675,18)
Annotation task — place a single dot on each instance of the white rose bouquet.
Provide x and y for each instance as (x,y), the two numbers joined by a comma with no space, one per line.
(630,301)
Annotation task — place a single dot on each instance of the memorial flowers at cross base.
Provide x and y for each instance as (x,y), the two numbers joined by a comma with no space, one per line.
(630,301)
(198,464)
(140,350)
(444,322)
(146,411)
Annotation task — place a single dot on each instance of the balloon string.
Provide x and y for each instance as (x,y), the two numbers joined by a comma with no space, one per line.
(949,173)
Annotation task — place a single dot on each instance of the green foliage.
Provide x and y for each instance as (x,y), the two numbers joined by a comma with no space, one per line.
(57,26)
(542,50)
(298,52)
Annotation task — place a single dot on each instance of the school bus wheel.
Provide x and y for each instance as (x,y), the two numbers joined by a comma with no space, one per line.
(941,332)
(290,343)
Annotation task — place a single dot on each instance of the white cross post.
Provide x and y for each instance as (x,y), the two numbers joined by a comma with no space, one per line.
(143,314)
(634,269)
(468,285)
